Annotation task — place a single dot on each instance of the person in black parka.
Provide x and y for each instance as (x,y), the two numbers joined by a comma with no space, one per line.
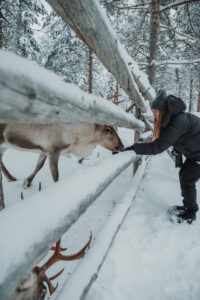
(174,127)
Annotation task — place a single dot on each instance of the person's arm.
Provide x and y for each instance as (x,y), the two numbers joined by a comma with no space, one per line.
(152,148)
(167,138)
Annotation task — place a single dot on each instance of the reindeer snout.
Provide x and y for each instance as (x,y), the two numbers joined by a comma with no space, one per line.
(119,147)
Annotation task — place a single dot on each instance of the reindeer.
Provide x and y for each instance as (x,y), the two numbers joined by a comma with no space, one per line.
(32,285)
(53,140)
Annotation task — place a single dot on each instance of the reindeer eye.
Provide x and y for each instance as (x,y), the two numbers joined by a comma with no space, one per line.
(107,130)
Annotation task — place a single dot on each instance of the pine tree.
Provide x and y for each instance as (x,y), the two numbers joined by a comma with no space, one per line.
(19,19)
(63,52)
(66,55)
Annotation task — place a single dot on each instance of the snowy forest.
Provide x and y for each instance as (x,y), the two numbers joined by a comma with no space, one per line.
(98,65)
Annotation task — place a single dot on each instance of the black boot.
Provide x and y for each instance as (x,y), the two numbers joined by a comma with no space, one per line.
(189,215)
(177,209)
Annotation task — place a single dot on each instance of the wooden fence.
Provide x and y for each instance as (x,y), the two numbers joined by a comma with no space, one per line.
(31,94)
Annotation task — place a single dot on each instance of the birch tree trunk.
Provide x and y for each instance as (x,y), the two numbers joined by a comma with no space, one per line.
(153,39)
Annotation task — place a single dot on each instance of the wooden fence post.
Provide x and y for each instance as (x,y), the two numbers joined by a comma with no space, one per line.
(2,205)
(198,107)
(116,93)
(136,138)
(191,93)
(90,72)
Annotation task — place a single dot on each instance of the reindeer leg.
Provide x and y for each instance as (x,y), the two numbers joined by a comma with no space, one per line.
(53,162)
(4,170)
(2,150)
(6,173)
(81,160)
(40,163)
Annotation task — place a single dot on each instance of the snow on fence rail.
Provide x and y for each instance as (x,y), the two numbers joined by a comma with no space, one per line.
(24,243)
(29,93)
(146,136)
(88,19)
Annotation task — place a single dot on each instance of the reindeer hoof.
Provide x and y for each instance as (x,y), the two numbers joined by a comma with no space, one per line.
(12,179)
(26,184)
(81,160)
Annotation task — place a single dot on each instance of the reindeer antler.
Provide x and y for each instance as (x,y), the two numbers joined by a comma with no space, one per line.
(57,256)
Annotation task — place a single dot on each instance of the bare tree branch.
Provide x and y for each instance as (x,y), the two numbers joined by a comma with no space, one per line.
(130,107)
(177,4)
(164,63)
(144,68)
(138,6)
(197,61)
(162,49)
(190,21)
(143,53)
(179,33)
(2,17)
(141,24)
(161,44)
(183,41)
(137,51)
(167,17)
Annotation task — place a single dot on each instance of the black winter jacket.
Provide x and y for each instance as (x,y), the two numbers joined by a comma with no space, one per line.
(178,129)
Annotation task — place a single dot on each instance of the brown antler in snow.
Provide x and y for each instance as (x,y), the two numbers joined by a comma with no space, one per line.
(57,256)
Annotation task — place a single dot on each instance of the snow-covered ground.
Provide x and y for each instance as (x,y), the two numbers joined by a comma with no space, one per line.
(21,163)
(151,258)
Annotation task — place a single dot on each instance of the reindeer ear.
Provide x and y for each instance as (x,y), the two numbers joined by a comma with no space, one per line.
(99,126)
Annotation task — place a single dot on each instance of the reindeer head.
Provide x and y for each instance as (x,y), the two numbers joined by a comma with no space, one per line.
(107,137)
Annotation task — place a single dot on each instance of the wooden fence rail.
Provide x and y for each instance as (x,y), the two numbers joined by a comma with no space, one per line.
(29,93)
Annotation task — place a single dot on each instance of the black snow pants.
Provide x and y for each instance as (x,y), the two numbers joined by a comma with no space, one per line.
(189,174)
